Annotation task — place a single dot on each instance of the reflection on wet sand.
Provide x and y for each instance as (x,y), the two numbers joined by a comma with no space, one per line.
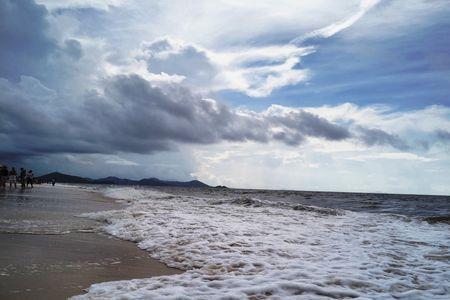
(47,254)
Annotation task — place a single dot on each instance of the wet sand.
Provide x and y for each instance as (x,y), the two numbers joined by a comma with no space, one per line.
(50,210)
(47,252)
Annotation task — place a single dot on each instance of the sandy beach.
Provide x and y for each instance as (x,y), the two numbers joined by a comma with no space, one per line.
(48,252)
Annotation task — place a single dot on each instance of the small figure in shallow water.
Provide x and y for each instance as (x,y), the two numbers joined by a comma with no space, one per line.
(23,175)
(30,178)
(4,176)
(13,178)
(53,182)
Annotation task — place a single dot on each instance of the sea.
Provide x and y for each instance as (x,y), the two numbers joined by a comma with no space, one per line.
(261,244)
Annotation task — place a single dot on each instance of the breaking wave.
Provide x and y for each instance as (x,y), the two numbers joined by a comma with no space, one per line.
(248,201)
(245,248)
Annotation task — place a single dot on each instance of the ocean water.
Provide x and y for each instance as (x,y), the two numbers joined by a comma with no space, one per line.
(247,244)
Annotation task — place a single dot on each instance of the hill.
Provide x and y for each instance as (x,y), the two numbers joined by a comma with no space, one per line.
(60,177)
(114,180)
(64,178)
(157,182)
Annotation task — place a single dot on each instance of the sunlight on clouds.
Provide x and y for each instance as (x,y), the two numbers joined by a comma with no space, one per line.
(219,24)
(254,71)
(101,4)
(186,54)
(121,162)
(334,28)
(347,165)
(392,155)
(305,168)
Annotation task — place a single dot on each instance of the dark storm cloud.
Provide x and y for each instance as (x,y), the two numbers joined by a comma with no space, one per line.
(133,109)
(73,48)
(311,125)
(25,45)
(131,115)
(373,137)
(32,121)
(443,135)
(289,138)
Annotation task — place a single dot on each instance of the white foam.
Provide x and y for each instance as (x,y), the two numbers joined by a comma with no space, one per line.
(233,251)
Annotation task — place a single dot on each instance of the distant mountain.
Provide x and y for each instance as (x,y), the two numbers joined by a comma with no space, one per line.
(157,182)
(60,177)
(194,183)
(151,182)
(114,180)
(64,178)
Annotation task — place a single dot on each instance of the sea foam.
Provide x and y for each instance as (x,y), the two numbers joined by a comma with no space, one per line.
(244,249)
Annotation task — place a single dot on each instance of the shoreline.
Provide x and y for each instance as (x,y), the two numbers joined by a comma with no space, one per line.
(49,253)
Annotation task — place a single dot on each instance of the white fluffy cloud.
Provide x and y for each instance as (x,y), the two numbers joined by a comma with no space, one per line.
(255,71)
(207,47)
(101,4)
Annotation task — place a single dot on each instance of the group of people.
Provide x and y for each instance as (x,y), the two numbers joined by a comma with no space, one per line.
(10,176)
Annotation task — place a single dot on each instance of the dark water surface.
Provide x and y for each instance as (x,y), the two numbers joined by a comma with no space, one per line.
(408,205)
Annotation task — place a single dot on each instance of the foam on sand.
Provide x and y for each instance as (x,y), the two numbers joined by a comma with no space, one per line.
(233,250)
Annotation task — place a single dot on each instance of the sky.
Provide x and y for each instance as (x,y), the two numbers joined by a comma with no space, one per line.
(305,95)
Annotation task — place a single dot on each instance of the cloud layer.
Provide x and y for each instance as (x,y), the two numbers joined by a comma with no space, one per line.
(103,83)
(132,115)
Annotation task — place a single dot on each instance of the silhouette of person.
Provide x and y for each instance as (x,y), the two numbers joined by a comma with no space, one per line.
(53,182)
(13,178)
(4,176)
(30,178)
(23,175)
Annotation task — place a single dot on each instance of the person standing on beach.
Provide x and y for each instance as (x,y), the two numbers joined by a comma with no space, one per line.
(23,174)
(13,178)
(3,176)
(30,178)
